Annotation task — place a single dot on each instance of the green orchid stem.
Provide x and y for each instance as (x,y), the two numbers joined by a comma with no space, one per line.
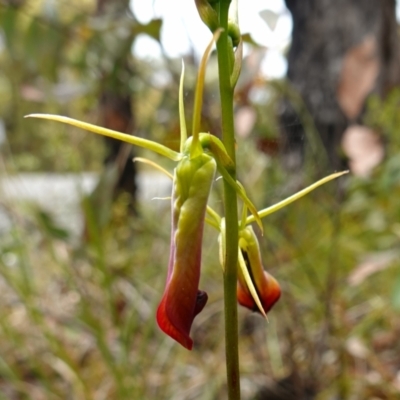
(231,211)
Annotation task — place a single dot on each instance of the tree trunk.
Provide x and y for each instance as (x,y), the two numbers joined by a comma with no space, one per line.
(115,104)
(342,51)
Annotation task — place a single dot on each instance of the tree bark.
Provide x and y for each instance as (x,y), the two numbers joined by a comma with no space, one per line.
(115,102)
(342,51)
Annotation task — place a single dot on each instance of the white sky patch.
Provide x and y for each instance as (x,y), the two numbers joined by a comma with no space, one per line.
(183,30)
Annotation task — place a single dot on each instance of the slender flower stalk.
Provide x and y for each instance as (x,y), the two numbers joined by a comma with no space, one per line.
(226,88)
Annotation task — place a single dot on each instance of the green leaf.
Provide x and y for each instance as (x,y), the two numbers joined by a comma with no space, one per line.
(49,226)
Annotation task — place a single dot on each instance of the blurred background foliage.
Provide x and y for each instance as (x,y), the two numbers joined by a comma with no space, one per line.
(77,315)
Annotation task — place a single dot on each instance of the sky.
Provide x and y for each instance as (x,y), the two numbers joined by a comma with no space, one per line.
(182,30)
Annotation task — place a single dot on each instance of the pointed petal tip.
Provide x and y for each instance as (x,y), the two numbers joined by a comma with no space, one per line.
(269,294)
(169,329)
(177,333)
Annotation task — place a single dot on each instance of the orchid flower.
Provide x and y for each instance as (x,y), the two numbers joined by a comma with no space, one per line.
(256,289)
(198,159)
(200,156)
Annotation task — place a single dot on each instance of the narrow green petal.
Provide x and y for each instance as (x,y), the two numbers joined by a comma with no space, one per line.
(182,121)
(210,221)
(242,194)
(147,144)
(244,217)
(266,211)
(249,283)
(154,165)
(237,65)
(196,149)
(215,217)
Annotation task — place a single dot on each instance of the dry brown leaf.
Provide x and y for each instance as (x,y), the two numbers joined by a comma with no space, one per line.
(396,382)
(356,347)
(358,76)
(364,148)
(371,265)
(245,118)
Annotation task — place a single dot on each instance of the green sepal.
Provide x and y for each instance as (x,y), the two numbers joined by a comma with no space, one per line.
(237,65)
(182,121)
(140,142)
(267,211)
(247,278)
(240,192)
(196,149)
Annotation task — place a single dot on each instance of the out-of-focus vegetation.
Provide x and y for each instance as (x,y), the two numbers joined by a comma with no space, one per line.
(77,316)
